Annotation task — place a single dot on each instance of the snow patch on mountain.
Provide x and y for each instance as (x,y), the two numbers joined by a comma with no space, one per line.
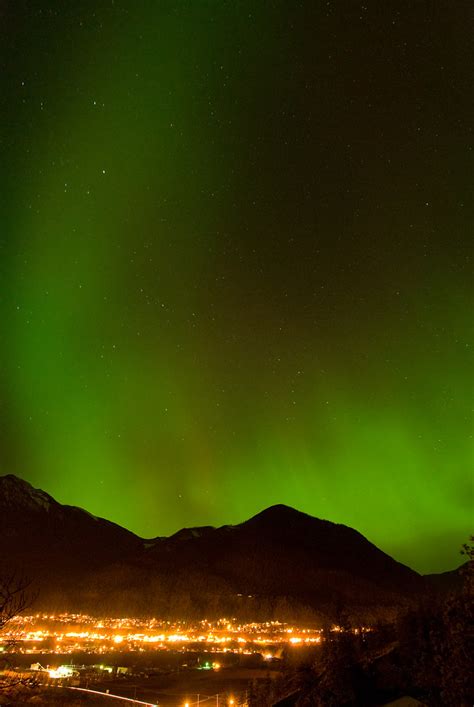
(16,492)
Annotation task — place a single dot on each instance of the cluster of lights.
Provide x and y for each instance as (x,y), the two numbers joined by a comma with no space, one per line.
(64,671)
(230,702)
(66,633)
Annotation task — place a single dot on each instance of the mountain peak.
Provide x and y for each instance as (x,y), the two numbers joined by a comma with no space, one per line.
(17,492)
(12,479)
(279,513)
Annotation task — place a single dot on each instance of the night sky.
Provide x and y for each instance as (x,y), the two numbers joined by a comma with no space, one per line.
(235,262)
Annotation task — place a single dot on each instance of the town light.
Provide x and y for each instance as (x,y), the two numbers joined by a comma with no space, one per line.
(64,671)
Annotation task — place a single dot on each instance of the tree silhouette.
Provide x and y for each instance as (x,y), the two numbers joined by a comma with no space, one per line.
(15,597)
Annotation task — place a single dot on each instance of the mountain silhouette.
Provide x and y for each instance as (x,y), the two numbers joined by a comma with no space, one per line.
(281,563)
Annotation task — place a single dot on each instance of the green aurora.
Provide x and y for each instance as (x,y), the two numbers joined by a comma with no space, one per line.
(235,264)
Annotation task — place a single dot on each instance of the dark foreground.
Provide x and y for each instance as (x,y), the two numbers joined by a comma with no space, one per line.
(166,691)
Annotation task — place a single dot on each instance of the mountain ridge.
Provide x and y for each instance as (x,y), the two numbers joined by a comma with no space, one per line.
(278,561)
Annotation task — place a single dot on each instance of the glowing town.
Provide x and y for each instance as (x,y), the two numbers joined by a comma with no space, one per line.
(72,633)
